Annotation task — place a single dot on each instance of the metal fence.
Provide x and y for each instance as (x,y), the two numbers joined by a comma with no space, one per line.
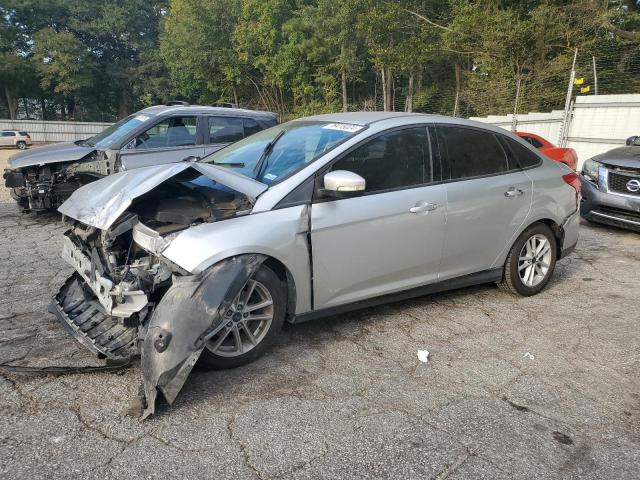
(44,131)
(596,123)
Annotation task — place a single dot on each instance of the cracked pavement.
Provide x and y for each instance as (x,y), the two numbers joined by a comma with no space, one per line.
(345,397)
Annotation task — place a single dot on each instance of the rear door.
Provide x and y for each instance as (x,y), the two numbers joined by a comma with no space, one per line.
(167,141)
(390,238)
(222,131)
(488,199)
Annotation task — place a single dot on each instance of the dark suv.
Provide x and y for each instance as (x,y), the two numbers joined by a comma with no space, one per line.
(611,187)
(43,178)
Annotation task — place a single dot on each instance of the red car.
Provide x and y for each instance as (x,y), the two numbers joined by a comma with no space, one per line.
(567,156)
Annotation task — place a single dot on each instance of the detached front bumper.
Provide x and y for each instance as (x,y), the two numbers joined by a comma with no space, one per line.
(609,208)
(84,318)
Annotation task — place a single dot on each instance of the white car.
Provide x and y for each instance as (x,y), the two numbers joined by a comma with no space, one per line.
(14,138)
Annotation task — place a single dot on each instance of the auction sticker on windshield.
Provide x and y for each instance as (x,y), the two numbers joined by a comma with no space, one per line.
(142,118)
(345,127)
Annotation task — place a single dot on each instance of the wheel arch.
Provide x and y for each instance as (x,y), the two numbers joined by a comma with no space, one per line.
(557,230)
(285,276)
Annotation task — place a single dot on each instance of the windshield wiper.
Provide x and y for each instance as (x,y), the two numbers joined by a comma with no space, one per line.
(265,153)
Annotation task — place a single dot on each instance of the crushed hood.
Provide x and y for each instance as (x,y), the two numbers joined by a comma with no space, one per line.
(623,157)
(60,152)
(99,204)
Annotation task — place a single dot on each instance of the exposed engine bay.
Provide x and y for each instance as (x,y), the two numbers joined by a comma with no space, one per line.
(45,187)
(121,279)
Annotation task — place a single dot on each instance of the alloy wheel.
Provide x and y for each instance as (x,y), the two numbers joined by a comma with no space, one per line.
(534,260)
(247,322)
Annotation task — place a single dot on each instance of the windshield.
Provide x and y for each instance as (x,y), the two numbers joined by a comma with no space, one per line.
(300,143)
(115,132)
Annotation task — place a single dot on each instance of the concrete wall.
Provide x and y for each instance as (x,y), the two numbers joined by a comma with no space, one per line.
(597,123)
(54,131)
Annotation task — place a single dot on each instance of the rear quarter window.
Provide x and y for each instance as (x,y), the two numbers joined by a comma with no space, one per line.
(519,154)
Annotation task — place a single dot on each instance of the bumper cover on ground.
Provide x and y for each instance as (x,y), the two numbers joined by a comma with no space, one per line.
(83,317)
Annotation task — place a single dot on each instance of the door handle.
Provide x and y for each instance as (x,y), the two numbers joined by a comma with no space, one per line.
(513,192)
(423,207)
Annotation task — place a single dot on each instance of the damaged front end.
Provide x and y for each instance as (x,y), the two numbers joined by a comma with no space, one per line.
(40,187)
(125,297)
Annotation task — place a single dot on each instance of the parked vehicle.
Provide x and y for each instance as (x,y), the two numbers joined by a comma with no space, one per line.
(310,218)
(633,141)
(568,156)
(43,178)
(15,138)
(611,188)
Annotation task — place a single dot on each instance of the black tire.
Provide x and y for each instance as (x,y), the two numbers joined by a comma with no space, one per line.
(511,281)
(278,292)
(21,145)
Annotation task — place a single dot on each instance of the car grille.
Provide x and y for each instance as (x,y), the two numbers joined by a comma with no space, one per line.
(618,181)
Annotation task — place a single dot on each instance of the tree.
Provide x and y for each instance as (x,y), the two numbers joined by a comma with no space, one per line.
(196,45)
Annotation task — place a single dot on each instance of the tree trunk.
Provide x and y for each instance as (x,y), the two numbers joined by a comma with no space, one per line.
(345,103)
(386,88)
(12,104)
(235,95)
(409,104)
(25,104)
(71,107)
(456,105)
(123,106)
(43,107)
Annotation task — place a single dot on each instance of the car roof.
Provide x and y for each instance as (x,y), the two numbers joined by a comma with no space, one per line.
(399,118)
(203,109)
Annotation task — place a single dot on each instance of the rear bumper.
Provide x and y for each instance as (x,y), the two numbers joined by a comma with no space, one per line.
(609,208)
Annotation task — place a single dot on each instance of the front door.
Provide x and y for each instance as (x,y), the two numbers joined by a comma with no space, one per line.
(488,199)
(390,238)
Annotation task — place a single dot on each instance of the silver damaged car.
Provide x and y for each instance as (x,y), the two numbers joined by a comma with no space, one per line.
(205,260)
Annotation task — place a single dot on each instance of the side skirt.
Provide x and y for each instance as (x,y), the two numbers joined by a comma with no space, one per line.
(486,276)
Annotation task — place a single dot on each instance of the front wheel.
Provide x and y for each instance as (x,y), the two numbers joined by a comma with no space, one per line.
(254,319)
(531,261)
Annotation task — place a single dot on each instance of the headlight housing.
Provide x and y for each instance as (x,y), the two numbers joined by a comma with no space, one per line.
(590,169)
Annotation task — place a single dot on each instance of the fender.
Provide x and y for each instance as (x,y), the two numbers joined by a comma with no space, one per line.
(190,313)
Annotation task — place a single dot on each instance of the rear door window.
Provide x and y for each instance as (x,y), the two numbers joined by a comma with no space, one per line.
(471,153)
(392,160)
(8,134)
(171,132)
(225,129)
(250,126)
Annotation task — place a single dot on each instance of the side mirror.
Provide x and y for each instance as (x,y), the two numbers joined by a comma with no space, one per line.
(342,184)
(631,140)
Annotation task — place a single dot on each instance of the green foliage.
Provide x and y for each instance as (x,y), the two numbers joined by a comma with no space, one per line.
(102,59)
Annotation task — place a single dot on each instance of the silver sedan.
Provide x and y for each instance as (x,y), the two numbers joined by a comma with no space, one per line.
(205,260)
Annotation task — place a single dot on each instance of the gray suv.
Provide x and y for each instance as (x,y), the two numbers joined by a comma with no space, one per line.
(43,178)
(611,187)
(207,259)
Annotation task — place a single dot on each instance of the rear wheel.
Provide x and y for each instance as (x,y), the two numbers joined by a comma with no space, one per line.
(252,322)
(531,261)
(20,145)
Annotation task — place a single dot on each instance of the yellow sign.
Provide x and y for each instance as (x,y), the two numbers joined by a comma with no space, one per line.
(578,81)
(586,89)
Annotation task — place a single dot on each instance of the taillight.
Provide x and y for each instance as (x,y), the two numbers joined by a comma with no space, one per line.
(574,180)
